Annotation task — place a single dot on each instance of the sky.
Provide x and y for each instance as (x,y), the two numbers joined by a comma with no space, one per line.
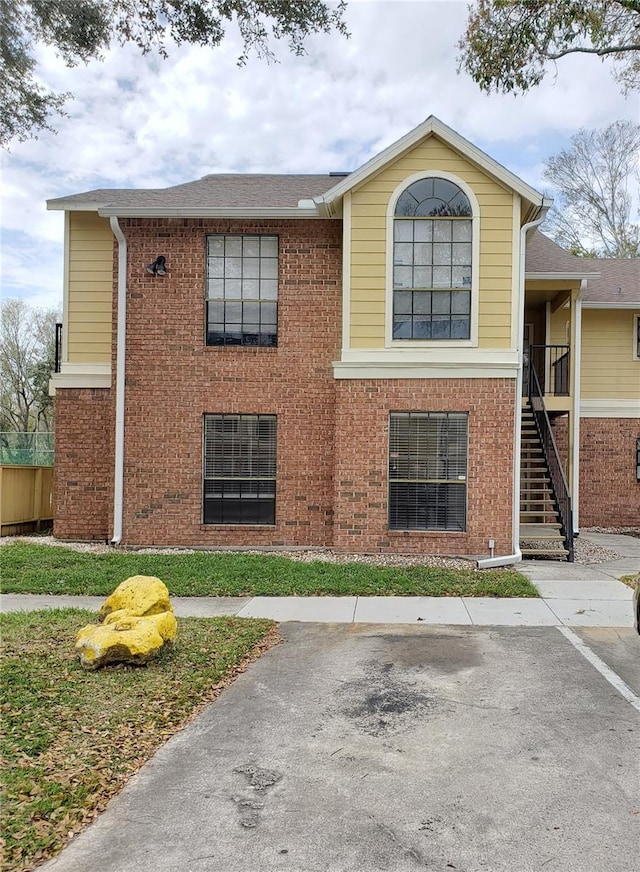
(141,122)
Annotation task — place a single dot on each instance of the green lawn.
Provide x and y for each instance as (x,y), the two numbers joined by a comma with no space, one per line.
(71,738)
(28,568)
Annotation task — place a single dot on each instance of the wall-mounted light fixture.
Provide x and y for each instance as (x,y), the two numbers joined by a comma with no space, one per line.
(158,267)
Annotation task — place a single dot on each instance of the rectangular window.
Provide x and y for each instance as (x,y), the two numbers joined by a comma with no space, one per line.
(428,470)
(636,337)
(239,469)
(242,290)
(432,278)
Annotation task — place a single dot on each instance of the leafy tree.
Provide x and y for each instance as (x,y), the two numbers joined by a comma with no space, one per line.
(595,178)
(507,43)
(80,30)
(27,355)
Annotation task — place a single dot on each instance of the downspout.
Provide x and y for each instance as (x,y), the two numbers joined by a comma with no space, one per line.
(577,352)
(516,557)
(118,482)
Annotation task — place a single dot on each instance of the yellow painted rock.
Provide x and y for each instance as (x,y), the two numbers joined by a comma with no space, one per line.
(165,623)
(138,622)
(139,595)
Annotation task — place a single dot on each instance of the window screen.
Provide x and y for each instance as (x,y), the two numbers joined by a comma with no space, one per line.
(239,469)
(427,470)
(242,290)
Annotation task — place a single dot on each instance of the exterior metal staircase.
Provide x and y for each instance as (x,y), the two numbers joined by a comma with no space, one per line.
(546,527)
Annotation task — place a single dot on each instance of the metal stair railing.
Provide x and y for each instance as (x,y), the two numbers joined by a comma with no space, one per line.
(552,458)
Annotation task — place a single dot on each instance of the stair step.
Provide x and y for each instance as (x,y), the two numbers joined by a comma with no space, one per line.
(544,552)
(535,528)
(538,513)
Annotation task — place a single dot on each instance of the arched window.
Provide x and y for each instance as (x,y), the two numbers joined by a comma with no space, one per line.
(432,256)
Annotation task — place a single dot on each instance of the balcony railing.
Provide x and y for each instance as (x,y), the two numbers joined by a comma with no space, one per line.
(551,363)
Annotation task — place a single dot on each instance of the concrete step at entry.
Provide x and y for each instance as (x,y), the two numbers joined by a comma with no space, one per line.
(540,531)
(543,552)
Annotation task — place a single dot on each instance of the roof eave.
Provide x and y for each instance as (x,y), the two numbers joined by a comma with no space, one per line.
(61,205)
(598,304)
(559,276)
(107,210)
(431,126)
(206,212)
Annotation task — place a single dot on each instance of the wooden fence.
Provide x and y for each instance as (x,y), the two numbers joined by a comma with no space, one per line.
(26,498)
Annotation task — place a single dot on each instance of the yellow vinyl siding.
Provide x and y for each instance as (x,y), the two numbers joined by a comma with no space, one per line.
(608,370)
(90,288)
(368,245)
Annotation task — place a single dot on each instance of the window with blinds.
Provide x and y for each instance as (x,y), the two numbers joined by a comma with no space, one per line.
(242,290)
(428,470)
(239,469)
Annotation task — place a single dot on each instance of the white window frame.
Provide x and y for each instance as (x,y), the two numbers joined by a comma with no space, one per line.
(472,342)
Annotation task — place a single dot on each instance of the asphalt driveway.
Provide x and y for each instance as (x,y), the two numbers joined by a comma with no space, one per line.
(357,748)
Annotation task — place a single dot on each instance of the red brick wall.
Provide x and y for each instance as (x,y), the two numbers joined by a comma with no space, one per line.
(83,496)
(173,379)
(609,491)
(560,428)
(362,421)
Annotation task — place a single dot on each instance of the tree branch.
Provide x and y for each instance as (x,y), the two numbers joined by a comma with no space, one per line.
(598,51)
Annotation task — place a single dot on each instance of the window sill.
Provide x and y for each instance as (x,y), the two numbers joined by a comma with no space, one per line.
(255,349)
(428,533)
(204,527)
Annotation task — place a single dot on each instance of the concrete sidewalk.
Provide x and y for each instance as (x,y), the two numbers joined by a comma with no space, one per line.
(571,594)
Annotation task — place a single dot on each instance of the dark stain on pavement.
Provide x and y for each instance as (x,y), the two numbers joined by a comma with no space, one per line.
(382,702)
(445,653)
(260,781)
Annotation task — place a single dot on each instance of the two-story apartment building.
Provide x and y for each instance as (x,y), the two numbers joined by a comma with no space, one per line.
(343,361)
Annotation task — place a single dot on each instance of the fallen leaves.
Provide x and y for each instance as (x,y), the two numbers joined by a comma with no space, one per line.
(72,739)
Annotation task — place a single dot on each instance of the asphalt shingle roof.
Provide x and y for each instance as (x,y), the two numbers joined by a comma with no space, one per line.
(546,256)
(224,190)
(618,282)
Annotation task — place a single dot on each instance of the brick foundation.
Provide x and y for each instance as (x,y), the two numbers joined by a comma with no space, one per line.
(609,490)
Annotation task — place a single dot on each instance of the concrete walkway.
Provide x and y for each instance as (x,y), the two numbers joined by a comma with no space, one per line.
(572,595)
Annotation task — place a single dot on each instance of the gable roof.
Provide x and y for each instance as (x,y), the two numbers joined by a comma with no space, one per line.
(432,126)
(298,196)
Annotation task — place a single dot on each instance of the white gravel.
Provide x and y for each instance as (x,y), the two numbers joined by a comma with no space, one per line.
(327,556)
(585,551)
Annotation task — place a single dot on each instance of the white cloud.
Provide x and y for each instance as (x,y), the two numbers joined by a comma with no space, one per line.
(144,122)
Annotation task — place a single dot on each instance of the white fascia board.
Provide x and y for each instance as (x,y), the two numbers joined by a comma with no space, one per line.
(594,304)
(74,206)
(81,375)
(404,369)
(610,408)
(434,126)
(559,276)
(440,357)
(206,212)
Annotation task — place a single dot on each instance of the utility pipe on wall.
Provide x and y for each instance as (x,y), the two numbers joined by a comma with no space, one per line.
(121,326)
(516,557)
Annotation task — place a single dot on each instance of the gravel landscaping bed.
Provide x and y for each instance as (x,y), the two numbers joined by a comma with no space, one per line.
(303,556)
(585,551)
